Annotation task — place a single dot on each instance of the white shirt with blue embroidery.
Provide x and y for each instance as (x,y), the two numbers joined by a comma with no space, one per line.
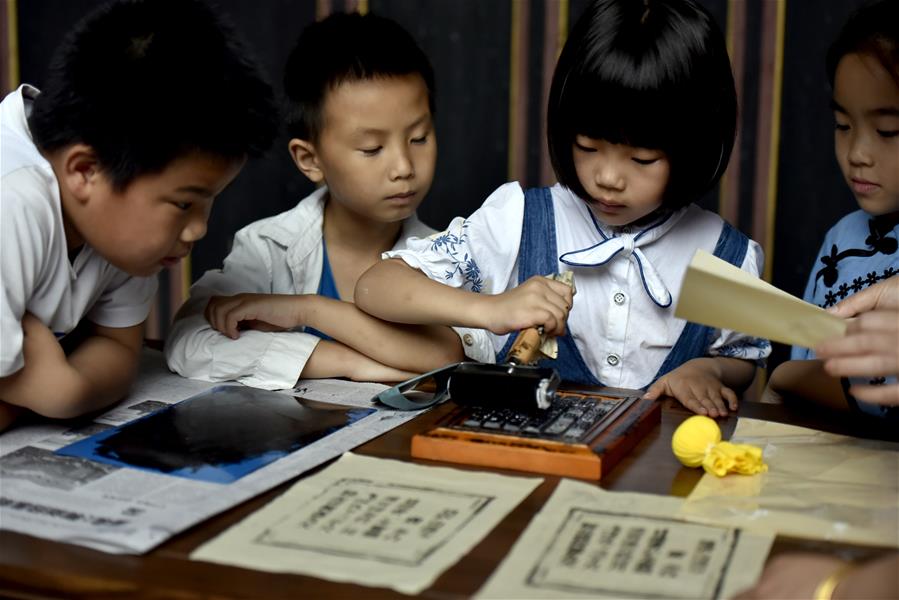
(620,331)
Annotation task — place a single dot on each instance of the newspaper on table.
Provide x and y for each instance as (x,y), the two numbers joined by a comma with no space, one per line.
(590,543)
(373,522)
(125,510)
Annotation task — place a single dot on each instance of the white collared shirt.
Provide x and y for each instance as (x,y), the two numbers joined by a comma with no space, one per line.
(277,255)
(622,334)
(37,275)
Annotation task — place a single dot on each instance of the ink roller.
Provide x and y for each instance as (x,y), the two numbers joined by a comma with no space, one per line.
(516,384)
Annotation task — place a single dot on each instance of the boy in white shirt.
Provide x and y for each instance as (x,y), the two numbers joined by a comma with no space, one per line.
(360,115)
(108,175)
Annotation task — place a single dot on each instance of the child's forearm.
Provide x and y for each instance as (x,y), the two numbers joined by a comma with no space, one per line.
(734,373)
(108,365)
(333,359)
(46,383)
(94,376)
(52,391)
(393,291)
(807,379)
(417,348)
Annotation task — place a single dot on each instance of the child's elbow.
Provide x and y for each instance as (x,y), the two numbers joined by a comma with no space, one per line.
(376,285)
(362,293)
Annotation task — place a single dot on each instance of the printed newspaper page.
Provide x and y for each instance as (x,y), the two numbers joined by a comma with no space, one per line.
(589,543)
(126,510)
(373,522)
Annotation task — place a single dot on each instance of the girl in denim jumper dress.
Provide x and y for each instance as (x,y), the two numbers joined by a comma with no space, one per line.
(641,121)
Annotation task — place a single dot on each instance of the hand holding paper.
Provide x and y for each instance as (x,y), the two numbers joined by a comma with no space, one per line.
(871,345)
(718,294)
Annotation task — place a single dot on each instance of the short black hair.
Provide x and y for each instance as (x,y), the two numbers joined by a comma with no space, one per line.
(873,29)
(346,47)
(652,74)
(144,82)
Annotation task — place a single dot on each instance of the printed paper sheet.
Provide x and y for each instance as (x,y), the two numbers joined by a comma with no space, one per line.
(590,543)
(373,522)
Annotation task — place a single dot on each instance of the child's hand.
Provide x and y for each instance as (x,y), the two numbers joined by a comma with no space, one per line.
(40,344)
(538,301)
(266,312)
(881,296)
(697,386)
(47,377)
(870,347)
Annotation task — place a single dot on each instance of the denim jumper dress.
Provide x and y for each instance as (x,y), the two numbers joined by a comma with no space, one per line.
(538,256)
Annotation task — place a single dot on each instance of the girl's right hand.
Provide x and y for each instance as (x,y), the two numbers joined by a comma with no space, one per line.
(539,301)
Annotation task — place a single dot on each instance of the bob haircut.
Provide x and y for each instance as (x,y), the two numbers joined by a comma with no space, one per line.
(145,82)
(346,47)
(873,30)
(652,74)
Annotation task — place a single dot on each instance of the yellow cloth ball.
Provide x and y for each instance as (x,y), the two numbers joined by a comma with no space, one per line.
(697,441)
(694,438)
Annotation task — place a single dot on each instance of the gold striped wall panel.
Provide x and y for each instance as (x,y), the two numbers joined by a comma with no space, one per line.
(768,138)
(518,90)
(9,50)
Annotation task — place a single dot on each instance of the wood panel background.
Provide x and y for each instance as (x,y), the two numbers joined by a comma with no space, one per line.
(493,61)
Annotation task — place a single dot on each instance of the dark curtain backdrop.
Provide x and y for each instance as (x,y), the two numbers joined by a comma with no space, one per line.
(492,60)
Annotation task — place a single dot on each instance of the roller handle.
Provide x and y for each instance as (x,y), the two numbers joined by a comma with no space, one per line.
(526,348)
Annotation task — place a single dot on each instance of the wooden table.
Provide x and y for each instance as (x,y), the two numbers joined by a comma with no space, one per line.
(36,568)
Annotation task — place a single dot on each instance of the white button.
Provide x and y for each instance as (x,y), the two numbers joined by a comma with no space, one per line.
(625,230)
(619,298)
(467,339)
(613,359)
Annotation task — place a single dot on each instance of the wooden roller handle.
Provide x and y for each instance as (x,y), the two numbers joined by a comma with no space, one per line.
(526,348)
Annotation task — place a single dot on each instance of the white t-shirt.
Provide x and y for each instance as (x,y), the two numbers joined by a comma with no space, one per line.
(37,275)
(622,334)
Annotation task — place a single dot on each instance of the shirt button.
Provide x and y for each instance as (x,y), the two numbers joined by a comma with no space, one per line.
(467,339)
(619,298)
(625,230)
(613,359)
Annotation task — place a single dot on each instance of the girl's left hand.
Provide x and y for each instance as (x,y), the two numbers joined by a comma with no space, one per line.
(697,387)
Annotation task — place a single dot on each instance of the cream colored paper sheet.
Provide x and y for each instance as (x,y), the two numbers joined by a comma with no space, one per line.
(589,543)
(818,485)
(718,294)
(372,522)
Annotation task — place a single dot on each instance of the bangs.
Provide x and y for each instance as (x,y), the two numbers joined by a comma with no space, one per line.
(623,109)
